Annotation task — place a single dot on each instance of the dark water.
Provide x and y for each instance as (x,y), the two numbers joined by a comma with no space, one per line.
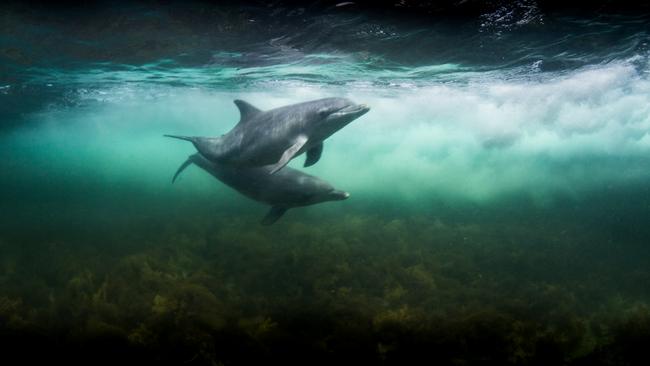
(500,186)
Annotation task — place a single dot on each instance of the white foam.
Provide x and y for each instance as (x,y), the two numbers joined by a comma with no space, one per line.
(477,141)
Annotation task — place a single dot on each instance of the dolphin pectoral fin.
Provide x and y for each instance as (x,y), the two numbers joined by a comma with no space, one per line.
(187,163)
(313,155)
(289,154)
(273,215)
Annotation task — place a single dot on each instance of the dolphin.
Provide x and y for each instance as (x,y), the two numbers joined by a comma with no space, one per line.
(286,189)
(278,135)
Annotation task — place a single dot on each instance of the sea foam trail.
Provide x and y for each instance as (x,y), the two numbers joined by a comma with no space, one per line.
(478,141)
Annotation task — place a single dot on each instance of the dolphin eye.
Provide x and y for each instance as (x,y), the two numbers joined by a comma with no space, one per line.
(323,113)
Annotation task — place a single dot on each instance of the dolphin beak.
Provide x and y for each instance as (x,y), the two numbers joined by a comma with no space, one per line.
(339,195)
(363,109)
(356,110)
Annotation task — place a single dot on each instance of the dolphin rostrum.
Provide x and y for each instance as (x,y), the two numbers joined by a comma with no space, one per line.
(286,189)
(278,135)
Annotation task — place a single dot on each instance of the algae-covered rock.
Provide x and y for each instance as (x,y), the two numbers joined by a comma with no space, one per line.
(11,313)
(99,328)
(197,303)
(395,294)
(402,317)
(257,327)
(162,305)
(142,335)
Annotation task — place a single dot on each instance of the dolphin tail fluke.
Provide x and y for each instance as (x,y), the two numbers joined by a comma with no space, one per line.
(274,215)
(186,138)
(187,163)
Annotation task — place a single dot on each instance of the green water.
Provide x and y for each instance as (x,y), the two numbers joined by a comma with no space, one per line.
(499,190)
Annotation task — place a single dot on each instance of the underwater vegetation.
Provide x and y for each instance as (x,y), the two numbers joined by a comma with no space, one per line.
(362,289)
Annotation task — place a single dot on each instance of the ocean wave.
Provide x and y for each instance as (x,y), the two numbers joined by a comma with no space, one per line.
(489,137)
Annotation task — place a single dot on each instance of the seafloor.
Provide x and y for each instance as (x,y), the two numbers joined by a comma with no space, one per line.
(360,289)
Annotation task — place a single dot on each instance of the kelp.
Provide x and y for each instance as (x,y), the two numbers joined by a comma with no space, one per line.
(361,288)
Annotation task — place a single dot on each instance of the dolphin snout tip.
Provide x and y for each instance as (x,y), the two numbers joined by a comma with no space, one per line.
(337,195)
(364,108)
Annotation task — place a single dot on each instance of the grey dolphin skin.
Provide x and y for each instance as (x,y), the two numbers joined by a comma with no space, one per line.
(286,189)
(278,135)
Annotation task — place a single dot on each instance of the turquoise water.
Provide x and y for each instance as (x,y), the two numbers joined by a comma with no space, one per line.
(499,187)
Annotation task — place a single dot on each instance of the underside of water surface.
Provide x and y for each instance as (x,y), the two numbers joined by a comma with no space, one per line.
(499,185)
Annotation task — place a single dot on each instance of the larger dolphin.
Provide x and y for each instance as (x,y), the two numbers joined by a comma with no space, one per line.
(278,135)
(284,190)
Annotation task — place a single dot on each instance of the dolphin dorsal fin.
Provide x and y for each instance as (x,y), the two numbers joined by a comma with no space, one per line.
(246,110)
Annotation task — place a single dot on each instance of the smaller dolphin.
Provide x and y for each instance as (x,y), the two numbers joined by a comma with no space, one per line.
(286,189)
(278,135)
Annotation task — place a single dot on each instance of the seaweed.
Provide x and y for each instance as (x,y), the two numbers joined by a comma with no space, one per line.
(360,289)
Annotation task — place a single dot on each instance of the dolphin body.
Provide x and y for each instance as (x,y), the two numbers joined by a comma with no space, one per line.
(276,136)
(286,189)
